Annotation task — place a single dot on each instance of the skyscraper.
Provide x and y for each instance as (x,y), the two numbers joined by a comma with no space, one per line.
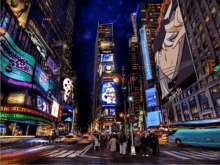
(103,111)
(146,23)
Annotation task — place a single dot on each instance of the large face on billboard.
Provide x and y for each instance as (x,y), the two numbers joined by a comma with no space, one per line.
(20,8)
(15,63)
(151,97)
(106,57)
(68,89)
(41,79)
(172,51)
(108,93)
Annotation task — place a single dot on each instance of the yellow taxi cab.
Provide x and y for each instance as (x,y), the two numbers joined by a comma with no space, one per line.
(86,139)
(70,139)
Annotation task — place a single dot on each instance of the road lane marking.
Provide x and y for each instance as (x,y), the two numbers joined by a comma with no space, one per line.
(203,155)
(185,154)
(66,154)
(86,149)
(177,156)
(53,155)
(51,152)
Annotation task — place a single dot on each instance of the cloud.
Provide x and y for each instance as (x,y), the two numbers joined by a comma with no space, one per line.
(87,35)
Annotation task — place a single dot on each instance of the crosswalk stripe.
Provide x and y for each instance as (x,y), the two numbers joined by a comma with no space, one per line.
(65,154)
(53,155)
(74,154)
(210,154)
(49,152)
(203,155)
(213,152)
(177,156)
(185,154)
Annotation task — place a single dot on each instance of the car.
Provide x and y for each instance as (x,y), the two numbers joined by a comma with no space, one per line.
(85,140)
(60,139)
(70,139)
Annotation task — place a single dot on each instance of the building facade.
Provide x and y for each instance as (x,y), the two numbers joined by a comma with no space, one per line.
(104,100)
(195,94)
(31,105)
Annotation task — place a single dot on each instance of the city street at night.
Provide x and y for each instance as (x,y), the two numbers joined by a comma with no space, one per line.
(110,82)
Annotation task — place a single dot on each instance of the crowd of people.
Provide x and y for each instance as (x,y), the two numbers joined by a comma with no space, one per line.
(119,142)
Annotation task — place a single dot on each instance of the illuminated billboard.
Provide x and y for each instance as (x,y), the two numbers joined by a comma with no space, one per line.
(107,68)
(21,9)
(146,60)
(52,65)
(172,51)
(16,97)
(151,97)
(107,58)
(154,118)
(41,79)
(68,87)
(108,93)
(42,105)
(108,111)
(55,109)
(15,63)
(112,111)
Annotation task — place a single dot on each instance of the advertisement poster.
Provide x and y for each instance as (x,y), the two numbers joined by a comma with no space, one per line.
(105,45)
(107,58)
(154,118)
(55,109)
(15,63)
(41,79)
(44,105)
(52,65)
(21,9)
(39,103)
(112,111)
(172,39)
(107,68)
(151,97)
(105,112)
(108,93)
(16,98)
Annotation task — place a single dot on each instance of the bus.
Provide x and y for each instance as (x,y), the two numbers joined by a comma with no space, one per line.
(195,133)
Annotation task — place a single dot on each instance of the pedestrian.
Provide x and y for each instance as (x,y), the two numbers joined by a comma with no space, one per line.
(113,146)
(144,144)
(120,141)
(137,143)
(153,144)
(96,145)
(102,141)
(124,143)
(129,142)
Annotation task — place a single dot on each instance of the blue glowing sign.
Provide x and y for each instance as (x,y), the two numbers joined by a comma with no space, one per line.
(145,54)
(112,111)
(154,118)
(106,57)
(151,97)
(41,79)
(108,93)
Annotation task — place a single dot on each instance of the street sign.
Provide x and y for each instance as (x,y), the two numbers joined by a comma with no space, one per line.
(131,112)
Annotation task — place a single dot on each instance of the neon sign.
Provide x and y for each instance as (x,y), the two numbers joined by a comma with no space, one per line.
(41,79)
(145,54)
(21,116)
(26,110)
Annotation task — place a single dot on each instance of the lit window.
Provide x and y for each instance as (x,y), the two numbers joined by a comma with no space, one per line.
(207,18)
(190,40)
(185,18)
(206,69)
(202,36)
(215,77)
(198,41)
(199,74)
(213,10)
(200,27)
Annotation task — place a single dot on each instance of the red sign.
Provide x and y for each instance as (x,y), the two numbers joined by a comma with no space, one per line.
(60,113)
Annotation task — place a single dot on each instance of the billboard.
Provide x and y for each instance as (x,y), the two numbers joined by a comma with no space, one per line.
(55,109)
(15,63)
(107,68)
(107,58)
(68,87)
(154,118)
(171,39)
(21,9)
(108,112)
(42,105)
(52,65)
(151,97)
(108,93)
(146,57)
(39,103)
(112,111)
(41,79)
(16,97)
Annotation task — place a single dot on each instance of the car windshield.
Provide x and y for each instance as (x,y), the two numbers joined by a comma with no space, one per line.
(85,137)
(69,136)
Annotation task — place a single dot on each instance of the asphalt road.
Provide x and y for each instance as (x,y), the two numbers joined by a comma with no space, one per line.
(62,153)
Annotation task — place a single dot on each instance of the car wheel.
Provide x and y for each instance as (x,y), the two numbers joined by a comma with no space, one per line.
(178,142)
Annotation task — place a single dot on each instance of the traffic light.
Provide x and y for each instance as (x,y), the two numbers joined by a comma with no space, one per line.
(130,98)
(211,66)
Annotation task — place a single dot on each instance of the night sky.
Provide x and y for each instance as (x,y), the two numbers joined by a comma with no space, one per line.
(88,12)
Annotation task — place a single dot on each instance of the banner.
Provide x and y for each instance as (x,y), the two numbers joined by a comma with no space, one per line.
(41,79)
(15,63)
(108,93)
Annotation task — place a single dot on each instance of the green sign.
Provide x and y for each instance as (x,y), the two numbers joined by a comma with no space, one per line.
(15,63)
(21,116)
